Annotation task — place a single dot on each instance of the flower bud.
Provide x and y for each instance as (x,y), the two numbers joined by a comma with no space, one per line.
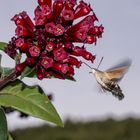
(47,74)
(88,56)
(40,74)
(27,19)
(57,8)
(20,67)
(30,61)
(74,61)
(42,2)
(18,21)
(67,16)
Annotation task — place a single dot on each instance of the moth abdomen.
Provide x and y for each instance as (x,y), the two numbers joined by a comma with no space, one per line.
(115,89)
(118,92)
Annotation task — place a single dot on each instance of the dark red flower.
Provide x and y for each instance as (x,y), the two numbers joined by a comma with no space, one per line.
(82,9)
(77,51)
(45,2)
(49,27)
(88,56)
(46,62)
(67,15)
(34,51)
(22,44)
(96,30)
(22,31)
(27,19)
(71,71)
(65,68)
(11,48)
(57,66)
(85,24)
(47,74)
(58,30)
(62,68)
(40,20)
(18,20)
(69,6)
(42,2)
(57,8)
(49,43)
(68,44)
(81,34)
(74,61)
(60,55)
(58,75)
(45,9)
(50,46)
(91,39)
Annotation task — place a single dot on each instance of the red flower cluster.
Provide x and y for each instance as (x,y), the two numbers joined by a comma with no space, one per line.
(49,43)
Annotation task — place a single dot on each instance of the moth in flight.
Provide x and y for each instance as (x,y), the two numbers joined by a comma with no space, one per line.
(108,80)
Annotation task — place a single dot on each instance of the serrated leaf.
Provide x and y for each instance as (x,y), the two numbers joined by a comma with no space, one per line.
(30,100)
(3,126)
(2,45)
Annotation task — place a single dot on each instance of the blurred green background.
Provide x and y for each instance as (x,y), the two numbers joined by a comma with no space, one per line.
(128,129)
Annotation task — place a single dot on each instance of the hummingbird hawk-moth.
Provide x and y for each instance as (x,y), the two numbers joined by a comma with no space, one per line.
(108,80)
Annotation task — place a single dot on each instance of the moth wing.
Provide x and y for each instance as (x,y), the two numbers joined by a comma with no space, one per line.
(124,63)
(117,72)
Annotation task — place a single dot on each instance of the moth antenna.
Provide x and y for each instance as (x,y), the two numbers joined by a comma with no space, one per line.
(100,62)
(87,65)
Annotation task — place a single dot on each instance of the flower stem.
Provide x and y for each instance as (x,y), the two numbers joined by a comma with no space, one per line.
(5,80)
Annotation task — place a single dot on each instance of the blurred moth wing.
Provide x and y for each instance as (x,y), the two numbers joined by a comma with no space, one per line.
(116,74)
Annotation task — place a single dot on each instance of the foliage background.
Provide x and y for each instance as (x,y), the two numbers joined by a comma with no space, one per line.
(109,129)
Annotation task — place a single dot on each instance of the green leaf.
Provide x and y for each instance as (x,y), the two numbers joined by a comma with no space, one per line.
(2,45)
(10,137)
(69,78)
(28,72)
(30,100)
(3,126)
